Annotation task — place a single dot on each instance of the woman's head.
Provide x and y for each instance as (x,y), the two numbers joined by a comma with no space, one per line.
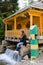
(22,32)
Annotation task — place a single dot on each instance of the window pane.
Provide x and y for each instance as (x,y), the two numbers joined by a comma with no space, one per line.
(9,27)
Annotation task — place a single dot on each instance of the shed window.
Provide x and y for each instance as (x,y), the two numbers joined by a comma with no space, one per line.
(28,25)
(19,26)
(9,27)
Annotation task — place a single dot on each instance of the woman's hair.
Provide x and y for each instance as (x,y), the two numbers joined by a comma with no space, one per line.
(22,31)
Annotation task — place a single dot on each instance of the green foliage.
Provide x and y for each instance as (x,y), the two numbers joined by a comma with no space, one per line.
(15,7)
(9,7)
(6,9)
(1,29)
(1,15)
(8,14)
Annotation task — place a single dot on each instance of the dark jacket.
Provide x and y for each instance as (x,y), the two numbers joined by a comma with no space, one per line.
(23,39)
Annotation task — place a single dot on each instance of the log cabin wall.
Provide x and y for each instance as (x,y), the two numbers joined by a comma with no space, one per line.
(36,21)
(22,23)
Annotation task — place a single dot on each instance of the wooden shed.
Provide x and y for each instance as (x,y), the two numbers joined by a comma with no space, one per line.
(23,19)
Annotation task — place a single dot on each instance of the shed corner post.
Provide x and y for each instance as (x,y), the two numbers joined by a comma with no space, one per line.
(31,20)
(14,26)
(41,24)
(14,23)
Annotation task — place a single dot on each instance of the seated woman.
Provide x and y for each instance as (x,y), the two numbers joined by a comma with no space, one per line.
(22,40)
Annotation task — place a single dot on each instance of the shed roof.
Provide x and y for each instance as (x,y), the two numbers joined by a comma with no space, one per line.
(38,5)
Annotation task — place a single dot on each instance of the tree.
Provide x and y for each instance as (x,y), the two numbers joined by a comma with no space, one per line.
(8,6)
(1,29)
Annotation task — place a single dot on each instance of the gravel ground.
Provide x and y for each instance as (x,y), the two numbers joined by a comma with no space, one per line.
(38,61)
